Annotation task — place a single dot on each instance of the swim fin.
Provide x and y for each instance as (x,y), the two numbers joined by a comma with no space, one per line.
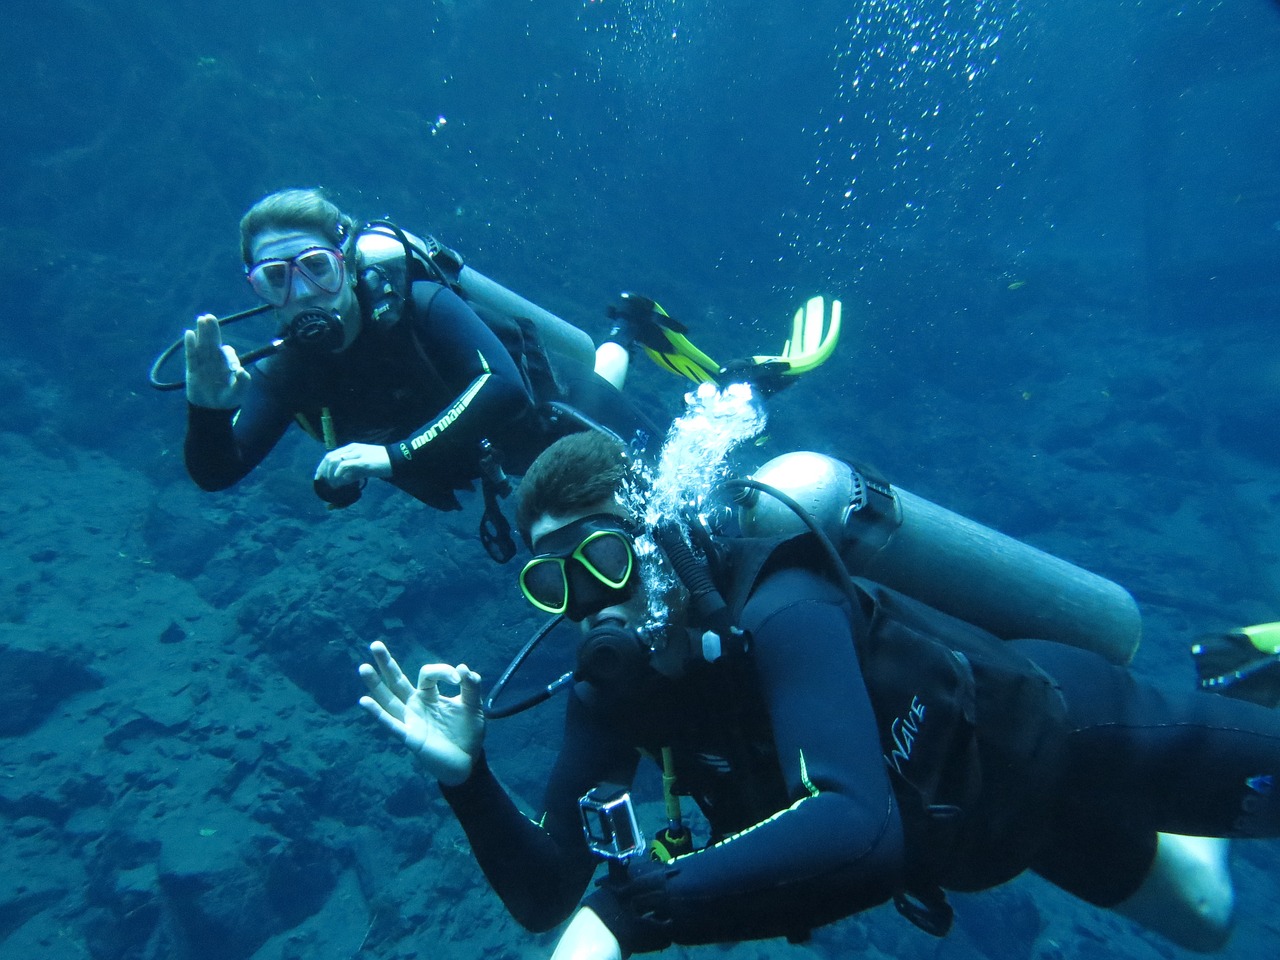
(642,321)
(813,338)
(679,355)
(1242,663)
(814,335)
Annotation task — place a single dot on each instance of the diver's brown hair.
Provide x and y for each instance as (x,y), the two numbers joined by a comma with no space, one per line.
(574,473)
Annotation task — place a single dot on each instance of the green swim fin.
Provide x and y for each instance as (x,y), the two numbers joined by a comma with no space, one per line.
(1242,663)
(642,321)
(679,355)
(814,335)
(813,338)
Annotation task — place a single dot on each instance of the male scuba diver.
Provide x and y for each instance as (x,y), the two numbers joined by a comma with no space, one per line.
(409,365)
(848,745)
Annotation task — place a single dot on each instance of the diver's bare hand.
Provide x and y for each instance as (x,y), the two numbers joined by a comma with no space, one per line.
(444,734)
(215,377)
(353,463)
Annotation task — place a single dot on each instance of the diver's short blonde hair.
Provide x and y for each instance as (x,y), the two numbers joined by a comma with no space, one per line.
(295,209)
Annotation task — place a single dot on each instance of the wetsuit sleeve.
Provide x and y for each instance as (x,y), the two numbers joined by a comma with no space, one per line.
(222,446)
(470,359)
(540,869)
(836,849)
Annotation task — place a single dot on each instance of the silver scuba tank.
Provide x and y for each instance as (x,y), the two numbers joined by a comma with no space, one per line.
(951,563)
(561,339)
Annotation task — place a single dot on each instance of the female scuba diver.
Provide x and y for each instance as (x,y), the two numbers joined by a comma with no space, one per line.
(408,364)
(848,745)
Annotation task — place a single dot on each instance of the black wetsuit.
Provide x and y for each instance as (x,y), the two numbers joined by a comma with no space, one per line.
(428,387)
(786,759)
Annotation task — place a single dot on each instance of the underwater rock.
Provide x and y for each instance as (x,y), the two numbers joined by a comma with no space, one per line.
(227,891)
(312,647)
(179,535)
(32,685)
(1003,923)
(173,633)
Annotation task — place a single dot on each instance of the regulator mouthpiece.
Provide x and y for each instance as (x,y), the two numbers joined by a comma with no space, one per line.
(612,654)
(316,331)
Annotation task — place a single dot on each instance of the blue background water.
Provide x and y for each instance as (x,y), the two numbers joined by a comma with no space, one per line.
(1055,229)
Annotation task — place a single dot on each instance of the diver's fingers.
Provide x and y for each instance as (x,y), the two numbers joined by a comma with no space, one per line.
(431,676)
(328,464)
(379,693)
(208,331)
(375,709)
(232,360)
(203,345)
(391,673)
(469,686)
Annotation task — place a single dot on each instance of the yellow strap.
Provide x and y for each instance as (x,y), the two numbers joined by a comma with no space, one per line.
(669,786)
(326,425)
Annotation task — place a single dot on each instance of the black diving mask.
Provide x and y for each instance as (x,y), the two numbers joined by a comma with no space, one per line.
(583,567)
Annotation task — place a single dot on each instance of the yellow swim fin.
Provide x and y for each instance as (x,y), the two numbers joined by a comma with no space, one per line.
(813,338)
(814,335)
(1242,663)
(642,322)
(1265,637)
(678,354)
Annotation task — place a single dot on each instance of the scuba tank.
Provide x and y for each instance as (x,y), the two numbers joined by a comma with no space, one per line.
(384,251)
(951,563)
(561,339)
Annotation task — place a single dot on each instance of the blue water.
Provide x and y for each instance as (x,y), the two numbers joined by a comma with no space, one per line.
(1055,228)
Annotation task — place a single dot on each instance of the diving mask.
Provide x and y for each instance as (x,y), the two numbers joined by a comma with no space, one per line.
(582,567)
(273,279)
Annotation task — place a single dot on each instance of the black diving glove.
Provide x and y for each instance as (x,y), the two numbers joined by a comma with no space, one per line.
(632,902)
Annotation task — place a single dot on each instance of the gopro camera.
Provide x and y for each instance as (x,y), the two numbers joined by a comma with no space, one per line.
(609,823)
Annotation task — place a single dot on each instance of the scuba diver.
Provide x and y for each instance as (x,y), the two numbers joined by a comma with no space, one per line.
(847,744)
(409,365)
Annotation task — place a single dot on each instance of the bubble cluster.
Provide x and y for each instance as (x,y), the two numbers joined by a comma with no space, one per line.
(693,461)
(911,128)
(651,52)
(695,454)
